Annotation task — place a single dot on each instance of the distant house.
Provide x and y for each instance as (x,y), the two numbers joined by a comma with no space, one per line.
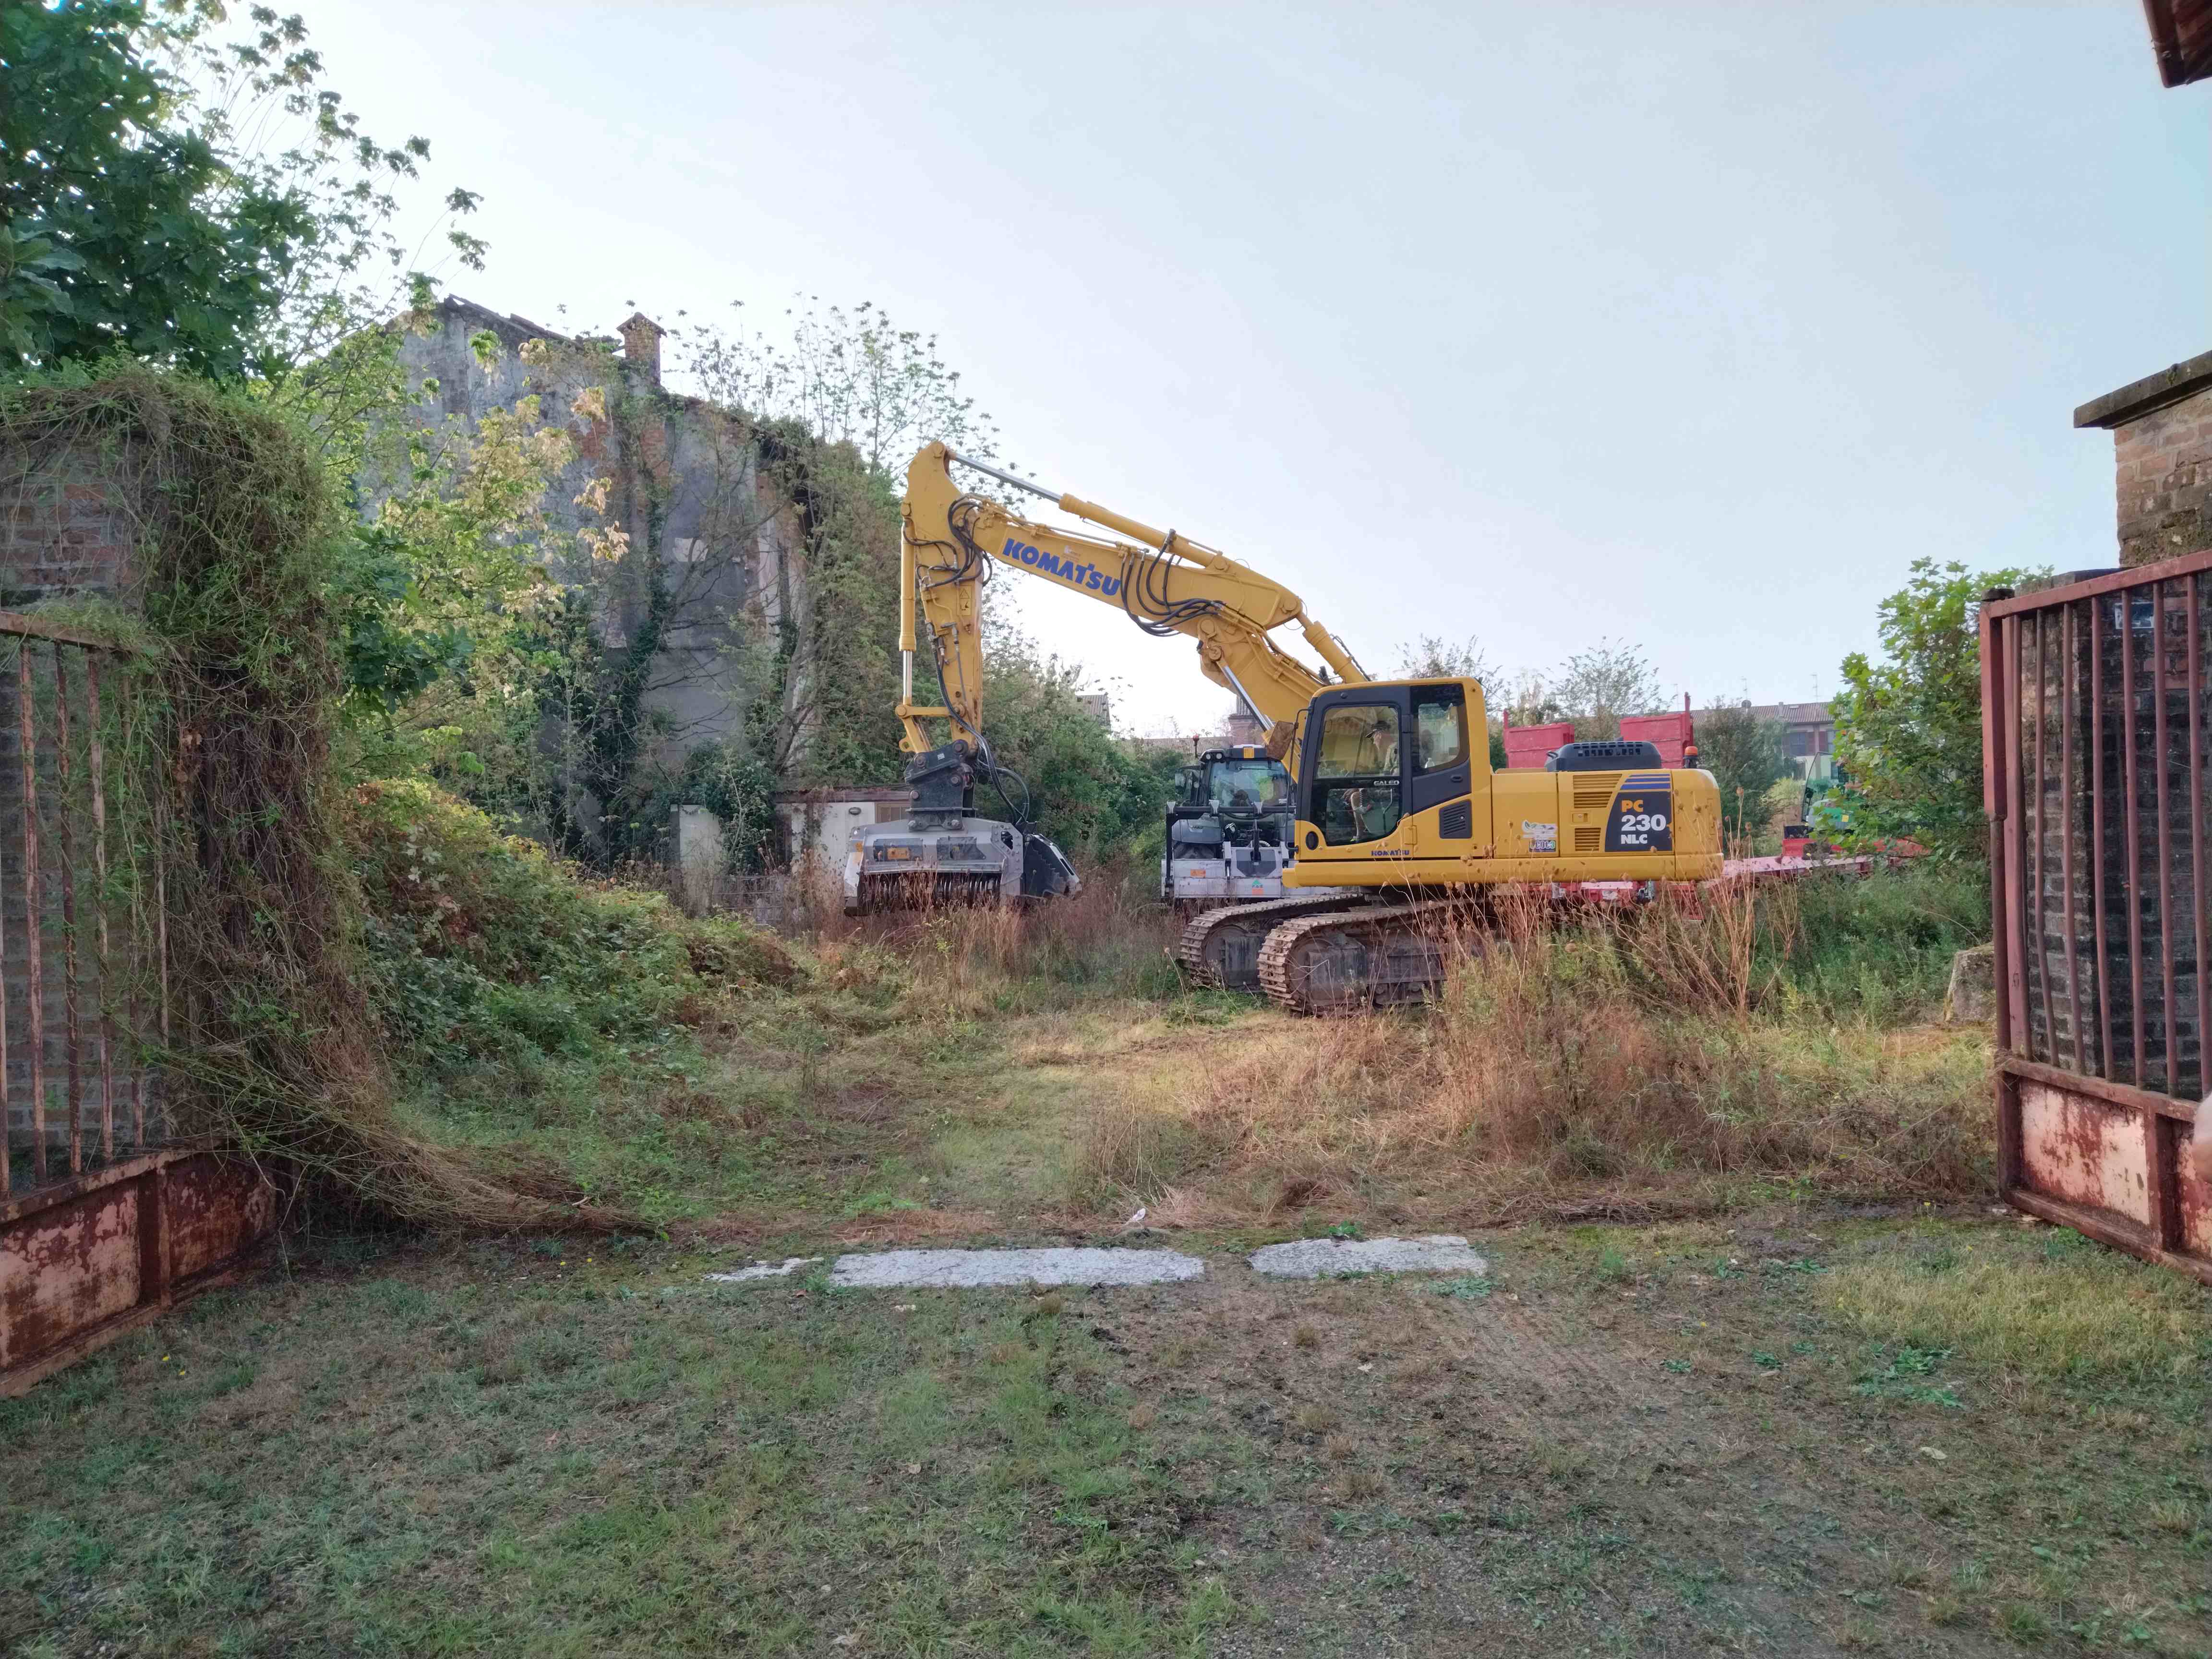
(1809,734)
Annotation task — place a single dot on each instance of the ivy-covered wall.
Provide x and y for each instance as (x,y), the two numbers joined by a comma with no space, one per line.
(709,561)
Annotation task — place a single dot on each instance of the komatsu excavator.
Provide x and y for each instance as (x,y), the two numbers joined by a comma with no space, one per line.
(1164,582)
(1395,801)
(1401,829)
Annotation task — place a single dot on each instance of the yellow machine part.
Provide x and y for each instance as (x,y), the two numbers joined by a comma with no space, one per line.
(1511,826)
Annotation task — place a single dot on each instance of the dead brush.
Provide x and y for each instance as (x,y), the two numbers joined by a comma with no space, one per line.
(1718,950)
(972,959)
(1589,1065)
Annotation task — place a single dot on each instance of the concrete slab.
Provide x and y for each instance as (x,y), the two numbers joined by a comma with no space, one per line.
(764,1270)
(967,1268)
(1336,1258)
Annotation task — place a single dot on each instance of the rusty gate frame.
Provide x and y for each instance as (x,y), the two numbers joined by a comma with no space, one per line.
(92,1258)
(130,1223)
(2075,1145)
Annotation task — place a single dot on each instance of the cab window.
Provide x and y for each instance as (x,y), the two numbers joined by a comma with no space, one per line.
(1439,729)
(1356,773)
(1253,786)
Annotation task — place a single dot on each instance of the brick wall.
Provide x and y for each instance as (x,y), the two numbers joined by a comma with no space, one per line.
(2161,428)
(68,526)
(64,527)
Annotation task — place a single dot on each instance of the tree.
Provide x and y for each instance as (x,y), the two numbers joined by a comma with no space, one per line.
(1091,792)
(1909,728)
(187,195)
(109,241)
(1601,685)
(848,377)
(1746,756)
(1433,657)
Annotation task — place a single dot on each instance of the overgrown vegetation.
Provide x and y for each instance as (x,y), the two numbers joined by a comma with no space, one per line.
(1666,1062)
(1909,727)
(672,1069)
(221,739)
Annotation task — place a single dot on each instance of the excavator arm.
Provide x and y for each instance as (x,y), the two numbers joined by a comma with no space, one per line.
(1162,581)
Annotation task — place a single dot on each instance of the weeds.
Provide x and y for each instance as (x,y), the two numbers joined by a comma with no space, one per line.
(2077,1312)
(1556,1072)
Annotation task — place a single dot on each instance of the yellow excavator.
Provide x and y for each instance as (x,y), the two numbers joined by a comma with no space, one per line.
(1166,583)
(1401,830)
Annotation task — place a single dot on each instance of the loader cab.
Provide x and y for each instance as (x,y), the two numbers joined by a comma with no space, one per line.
(1376,755)
(1229,830)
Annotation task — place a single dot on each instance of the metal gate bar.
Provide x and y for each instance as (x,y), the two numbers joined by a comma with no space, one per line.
(80,1028)
(2091,1130)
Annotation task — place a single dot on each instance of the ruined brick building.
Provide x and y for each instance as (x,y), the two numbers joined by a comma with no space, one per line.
(686,488)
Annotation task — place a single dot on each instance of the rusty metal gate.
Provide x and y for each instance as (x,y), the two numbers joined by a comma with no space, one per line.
(105,1218)
(2096,729)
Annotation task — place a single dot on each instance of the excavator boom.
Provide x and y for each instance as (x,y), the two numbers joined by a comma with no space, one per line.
(1163,581)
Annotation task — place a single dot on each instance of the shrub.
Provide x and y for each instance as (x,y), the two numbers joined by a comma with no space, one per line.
(482,945)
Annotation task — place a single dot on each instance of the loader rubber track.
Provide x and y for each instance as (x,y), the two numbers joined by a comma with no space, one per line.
(1374,955)
(1200,952)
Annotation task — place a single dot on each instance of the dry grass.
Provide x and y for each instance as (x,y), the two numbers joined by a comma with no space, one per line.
(1111,939)
(1587,1071)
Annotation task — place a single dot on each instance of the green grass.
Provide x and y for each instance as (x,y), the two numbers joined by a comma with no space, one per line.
(1878,950)
(1603,1444)
(401,1464)
(2068,1309)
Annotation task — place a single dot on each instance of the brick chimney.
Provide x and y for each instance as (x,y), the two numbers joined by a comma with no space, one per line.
(640,338)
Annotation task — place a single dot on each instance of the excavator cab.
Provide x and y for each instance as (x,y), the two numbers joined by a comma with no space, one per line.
(1395,789)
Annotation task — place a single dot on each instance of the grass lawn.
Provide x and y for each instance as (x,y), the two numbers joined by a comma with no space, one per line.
(1809,1433)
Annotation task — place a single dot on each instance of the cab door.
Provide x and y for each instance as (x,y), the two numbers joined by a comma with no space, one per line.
(1351,777)
(1443,767)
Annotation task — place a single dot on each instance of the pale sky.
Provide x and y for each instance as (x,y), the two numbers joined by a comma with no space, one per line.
(1689,325)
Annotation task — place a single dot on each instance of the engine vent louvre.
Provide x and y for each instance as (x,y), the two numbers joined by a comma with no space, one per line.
(1457,822)
(1593,790)
(1589,839)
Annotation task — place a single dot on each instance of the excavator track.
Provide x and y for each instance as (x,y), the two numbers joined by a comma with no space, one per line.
(1369,957)
(1220,947)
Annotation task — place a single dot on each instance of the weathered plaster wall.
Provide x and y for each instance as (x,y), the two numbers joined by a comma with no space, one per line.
(686,485)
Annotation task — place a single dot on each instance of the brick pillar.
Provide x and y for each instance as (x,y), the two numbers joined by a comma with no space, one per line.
(640,337)
(2161,428)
